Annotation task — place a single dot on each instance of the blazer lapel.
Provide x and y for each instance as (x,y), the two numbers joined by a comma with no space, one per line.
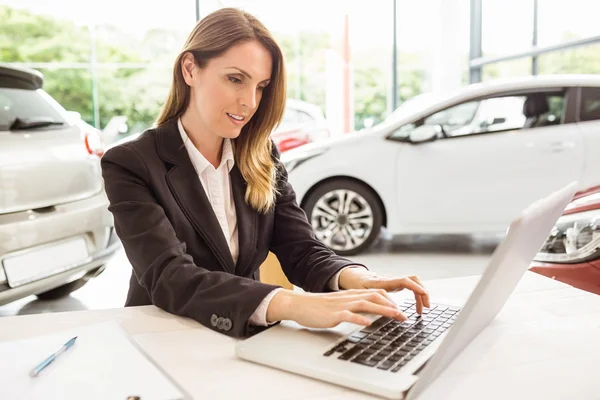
(190,195)
(246,222)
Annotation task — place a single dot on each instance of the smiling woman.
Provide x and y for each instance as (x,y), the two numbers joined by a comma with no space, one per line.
(225,92)
(201,200)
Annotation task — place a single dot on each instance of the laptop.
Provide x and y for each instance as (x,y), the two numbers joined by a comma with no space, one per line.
(399,360)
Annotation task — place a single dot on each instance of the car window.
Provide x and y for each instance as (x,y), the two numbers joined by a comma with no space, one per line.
(454,117)
(590,104)
(290,117)
(495,114)
(23,103)
(304,117)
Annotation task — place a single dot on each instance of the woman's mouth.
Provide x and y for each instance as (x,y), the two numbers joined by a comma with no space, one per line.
(238,120)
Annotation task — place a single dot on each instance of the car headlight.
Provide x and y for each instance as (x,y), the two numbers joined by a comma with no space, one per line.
(292,159)
(574,238)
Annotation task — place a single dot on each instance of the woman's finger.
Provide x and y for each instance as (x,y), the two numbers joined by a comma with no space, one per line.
(392,284)
(379,296)
(424,297)
(349,316)
(373,308)
(419,305)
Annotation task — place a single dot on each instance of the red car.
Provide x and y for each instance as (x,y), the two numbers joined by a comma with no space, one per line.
(302,123)
(571,253)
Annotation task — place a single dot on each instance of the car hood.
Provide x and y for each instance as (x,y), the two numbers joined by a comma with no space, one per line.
(337,142)
(585,200)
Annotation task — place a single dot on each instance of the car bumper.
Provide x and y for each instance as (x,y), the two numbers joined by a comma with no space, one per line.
(8,294)
(585,276)
(24,232)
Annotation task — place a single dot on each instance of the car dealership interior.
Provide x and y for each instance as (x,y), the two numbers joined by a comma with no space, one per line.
(314,200)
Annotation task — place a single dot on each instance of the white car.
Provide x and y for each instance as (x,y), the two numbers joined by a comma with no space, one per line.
(466,164)
(56,232)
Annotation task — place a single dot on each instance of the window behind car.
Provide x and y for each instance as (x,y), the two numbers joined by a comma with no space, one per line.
(25,104)
(590,104)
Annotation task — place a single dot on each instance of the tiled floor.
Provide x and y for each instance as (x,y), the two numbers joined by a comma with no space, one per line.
(428,257)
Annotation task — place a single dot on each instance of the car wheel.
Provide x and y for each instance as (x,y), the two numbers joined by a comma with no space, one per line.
(345,215)
(68,288)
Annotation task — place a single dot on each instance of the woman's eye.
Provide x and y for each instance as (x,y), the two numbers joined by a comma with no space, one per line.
(234,79)
(261,88)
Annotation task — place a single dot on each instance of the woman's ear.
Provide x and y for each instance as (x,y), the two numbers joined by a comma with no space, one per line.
(188,68)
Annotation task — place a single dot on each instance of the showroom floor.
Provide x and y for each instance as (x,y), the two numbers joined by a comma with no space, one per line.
(429,257)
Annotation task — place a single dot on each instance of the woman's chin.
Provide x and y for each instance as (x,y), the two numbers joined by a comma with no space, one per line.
(232,133)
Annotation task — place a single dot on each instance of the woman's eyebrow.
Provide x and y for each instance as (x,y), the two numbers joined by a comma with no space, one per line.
(247,74)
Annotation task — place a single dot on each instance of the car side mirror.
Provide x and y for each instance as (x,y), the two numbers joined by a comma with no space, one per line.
(492,121)
(425,133)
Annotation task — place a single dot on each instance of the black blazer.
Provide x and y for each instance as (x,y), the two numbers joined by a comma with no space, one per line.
(180,257)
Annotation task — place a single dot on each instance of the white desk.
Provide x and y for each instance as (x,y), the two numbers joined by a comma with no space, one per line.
(556,354)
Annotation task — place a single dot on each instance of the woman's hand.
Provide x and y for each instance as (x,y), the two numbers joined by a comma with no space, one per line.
(326,310)
(361,278)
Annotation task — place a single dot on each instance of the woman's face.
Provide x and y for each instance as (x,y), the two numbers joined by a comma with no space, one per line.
(226,93)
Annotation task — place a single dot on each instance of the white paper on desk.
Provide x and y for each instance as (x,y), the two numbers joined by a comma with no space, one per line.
(102,364)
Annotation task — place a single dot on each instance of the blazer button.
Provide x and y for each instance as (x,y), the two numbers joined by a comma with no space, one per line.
(227,325)
(220,323)
(214,320)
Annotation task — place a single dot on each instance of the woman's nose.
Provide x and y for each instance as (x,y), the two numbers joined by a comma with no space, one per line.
(249,99)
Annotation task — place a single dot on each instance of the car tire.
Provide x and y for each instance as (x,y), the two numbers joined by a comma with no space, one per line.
(68,288)
(336,230)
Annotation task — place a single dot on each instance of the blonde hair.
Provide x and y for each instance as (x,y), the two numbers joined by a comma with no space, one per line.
(211,37)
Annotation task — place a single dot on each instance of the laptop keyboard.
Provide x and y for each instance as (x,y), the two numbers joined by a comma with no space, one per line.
(389,344)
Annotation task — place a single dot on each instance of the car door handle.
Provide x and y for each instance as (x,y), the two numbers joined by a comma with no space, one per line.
(559,146)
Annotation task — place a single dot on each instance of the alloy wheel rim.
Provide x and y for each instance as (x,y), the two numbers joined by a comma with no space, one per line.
(342,219)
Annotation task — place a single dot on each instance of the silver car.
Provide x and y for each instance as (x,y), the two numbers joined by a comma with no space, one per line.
(55,228)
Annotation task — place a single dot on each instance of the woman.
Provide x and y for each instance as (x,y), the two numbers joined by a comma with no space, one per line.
(201,199)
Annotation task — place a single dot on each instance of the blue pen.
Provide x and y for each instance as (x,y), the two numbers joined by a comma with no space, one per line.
(53,357)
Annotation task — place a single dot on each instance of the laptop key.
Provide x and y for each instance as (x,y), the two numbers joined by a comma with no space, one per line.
(350,353)
(369,363)
(394,360)
(378,323)
(341,347)
(386,351)
(386,365)
(330,352)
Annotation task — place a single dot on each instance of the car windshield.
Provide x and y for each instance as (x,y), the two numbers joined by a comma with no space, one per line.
(26,105)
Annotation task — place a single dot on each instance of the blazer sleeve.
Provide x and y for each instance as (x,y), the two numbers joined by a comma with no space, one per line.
(305,260)
(160,262)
